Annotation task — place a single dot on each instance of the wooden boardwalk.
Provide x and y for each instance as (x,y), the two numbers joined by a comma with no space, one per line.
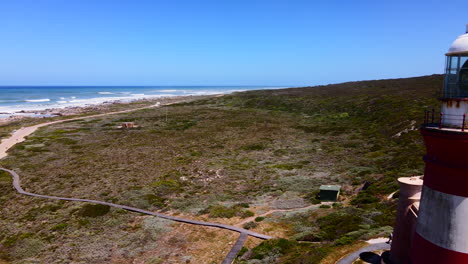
(235,249)
(229,258)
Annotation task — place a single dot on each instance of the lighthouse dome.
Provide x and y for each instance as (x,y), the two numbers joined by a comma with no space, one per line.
(460,45)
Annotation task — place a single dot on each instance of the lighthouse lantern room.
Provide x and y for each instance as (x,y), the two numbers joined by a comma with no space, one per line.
(455,91)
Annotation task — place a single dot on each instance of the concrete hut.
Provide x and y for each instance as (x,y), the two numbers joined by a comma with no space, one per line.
(329,192)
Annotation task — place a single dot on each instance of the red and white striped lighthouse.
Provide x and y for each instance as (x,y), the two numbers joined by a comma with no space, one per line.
(441,235)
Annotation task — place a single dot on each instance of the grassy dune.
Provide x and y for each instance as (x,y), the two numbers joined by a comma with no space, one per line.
(223,159)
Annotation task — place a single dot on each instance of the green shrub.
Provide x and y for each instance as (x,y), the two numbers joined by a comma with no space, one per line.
(259,218)
(94,210)
(250,225)
(243,205)
(313,197)
(60,226)
(246,213)
(242,251)
(254,147)
(280,245)
(11,240)
(309,236)
(388,213)
(364,198)
(345,240)
(4,177)
(83,222)
(155,200)
(220,211)
(165,187)
(324,206)
(337,224)
(337,205)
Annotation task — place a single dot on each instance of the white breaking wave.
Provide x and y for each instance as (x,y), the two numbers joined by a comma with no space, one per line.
(168,91)
(37,100)
(73,101)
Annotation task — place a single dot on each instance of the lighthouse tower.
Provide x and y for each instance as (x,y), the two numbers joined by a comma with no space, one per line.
(441,234)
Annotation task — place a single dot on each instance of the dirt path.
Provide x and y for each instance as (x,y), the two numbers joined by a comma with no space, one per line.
(21,134)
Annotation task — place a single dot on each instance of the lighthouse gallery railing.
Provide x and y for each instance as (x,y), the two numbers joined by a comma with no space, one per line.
(441,120)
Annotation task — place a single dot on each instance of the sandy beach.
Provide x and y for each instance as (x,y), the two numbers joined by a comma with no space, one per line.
(99,108)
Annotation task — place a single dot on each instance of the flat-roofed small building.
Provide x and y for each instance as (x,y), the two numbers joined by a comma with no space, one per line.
(329,192)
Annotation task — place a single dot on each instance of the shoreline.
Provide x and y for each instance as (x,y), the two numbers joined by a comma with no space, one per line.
(20,134)
(100,108)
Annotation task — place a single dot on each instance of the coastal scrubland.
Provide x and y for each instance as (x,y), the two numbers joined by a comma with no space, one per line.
(228,159)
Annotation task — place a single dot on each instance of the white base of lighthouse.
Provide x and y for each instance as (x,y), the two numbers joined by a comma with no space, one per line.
(442,219)
(442,223)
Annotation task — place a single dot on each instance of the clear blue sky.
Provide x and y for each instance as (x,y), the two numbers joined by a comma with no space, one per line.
(232,42)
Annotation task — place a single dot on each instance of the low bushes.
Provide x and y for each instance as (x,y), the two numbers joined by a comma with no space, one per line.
(221,211)
(250,225)
(259,218)
(335,225)
(94,210)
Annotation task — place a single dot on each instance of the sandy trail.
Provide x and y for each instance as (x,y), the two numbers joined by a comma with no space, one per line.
(21,134)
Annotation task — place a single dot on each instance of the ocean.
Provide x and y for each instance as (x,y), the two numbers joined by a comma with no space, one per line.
(14,99)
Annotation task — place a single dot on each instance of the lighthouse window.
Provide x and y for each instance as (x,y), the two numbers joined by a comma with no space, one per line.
(463,62)
(454,65)
(456,77)
(463,76)
(452,70)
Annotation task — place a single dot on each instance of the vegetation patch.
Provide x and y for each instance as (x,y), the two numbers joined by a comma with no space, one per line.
(94,210)
(287,166)
(250,225)
(278,246)
(254,147)
(259,218)
(180,124)
(59,227)
(5,177)
(221,211)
